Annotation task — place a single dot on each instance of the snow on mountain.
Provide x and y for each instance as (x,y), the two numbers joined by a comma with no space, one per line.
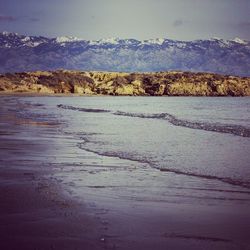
(224,42)
(6,33)
(158,41)
(111,40)
(19,52)
(25,39)
(28,41)
(67,39)
(14,40)
(238,40)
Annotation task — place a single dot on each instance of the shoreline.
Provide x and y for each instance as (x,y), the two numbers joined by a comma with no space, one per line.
(36,94)
(59,196)
(37,211)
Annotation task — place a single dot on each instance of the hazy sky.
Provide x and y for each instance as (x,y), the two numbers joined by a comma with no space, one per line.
(140,19)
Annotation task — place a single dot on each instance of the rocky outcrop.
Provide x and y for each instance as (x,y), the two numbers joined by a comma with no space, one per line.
(173,83)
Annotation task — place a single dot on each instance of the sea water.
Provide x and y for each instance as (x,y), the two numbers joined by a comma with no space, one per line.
(175,159)
(193,136)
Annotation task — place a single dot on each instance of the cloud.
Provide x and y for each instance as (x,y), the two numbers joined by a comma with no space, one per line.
(177,23)
(4,18)
(34,19)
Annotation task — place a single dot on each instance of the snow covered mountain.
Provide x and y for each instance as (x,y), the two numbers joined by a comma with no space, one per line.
(29,53)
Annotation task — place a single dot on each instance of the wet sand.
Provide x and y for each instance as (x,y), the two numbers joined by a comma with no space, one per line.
(54,195)
(35,211)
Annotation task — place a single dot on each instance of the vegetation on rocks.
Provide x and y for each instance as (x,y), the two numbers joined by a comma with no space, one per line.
(173,83)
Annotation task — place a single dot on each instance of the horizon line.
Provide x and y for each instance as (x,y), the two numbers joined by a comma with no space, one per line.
(119,38)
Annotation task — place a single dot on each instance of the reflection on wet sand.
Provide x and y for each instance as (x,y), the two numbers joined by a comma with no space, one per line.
(58,193)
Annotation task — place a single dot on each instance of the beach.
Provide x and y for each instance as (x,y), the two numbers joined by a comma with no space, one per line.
(124,173)
(36,213)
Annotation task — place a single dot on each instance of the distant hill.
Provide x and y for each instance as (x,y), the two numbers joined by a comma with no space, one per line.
(174,83)
(29,53)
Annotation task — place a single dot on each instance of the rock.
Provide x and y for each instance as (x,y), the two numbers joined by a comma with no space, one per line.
(82,90)
(173,83)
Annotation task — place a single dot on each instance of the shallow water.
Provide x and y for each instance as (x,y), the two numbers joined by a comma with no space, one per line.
(155,152)
(202,137)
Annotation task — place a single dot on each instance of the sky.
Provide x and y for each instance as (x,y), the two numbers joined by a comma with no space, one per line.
(139,19)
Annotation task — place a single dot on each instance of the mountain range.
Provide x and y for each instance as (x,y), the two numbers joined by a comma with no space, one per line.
(29,53)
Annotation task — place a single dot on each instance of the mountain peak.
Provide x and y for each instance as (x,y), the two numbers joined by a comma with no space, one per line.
(6,33)
(238,40)
(110,40)
(158,41)
(66,39)
(25,39)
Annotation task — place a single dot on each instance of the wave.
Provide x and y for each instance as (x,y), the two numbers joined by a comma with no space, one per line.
(222,128)
(82,145)
(213,127)
(235,182)
(90,110)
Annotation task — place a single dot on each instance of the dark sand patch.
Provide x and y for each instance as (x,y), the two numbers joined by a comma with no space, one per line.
(34,215)
(35,211)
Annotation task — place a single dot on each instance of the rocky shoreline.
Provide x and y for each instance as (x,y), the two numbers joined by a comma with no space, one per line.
(174,83)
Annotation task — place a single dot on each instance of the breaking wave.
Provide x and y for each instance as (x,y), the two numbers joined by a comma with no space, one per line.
(213,127)
(123,156)
(234,182)
(90,110)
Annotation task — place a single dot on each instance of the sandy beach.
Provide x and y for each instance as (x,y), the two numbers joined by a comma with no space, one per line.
(56,194)
(35,212)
